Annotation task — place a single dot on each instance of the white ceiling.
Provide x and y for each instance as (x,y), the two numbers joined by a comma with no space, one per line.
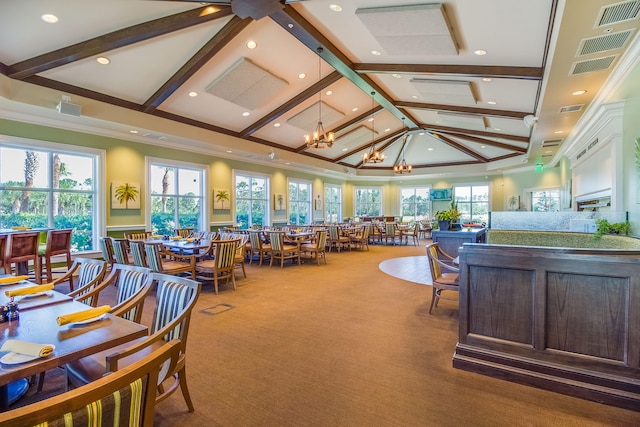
(458,121)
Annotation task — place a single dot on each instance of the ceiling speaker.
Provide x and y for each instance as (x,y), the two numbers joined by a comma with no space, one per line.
(69,108)
(530,120)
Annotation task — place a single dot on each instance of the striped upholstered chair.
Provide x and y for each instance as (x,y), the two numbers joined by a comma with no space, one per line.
(121,251)
(175,299)
(90,273)
(124,397)
(136,247)
(165,262)
(221,265)
(106,247)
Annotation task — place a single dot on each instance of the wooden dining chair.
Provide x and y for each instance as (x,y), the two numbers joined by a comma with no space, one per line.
(121,251)
(175,299)
(165,262)
(58,242)
(441,281)
(318,247)
(183,232)
(219,266)
(361,237)
(136,248)
(138,236)
(90,273)
(337,240)
(3,251)
(124,397)
(106,247)
(22,248)
(282,250)
(258,247)
(391,232)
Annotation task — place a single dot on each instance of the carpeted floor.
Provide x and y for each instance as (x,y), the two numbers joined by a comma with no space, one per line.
(345,344)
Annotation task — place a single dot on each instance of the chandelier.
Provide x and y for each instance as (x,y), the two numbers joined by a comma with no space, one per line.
(320,138)
(373,156)
(403,167)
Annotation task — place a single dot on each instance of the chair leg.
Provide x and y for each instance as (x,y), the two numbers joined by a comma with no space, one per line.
(244,273)
(182,377)
(434,296)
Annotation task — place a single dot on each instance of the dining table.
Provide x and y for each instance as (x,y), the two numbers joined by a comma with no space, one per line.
(182,245)
(71,342)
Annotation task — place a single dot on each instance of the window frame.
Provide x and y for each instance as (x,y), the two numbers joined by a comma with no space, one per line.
(429,202)
(471,201)
(204,222)
(308,202)
(269,196)
(367,187)
(99,205)
(328,204)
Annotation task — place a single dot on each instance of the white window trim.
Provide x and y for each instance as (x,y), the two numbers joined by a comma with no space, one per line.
(369,187)
(310,201)
(270,195)
(100,202)
(415,187)
(204,208)
(325,204)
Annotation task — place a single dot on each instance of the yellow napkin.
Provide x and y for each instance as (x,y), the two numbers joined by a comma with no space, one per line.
(83,315)
(21,227)
(12,279)
(189,239)
(28,348)
(176,238)
(29,290)
(155,236)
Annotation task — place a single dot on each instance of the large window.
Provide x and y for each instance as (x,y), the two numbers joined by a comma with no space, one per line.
(473,203)
(368,201)
(300,202)
(252,200)
(414,204)
(177,196)
(545,200)
(333,203)
(52,186)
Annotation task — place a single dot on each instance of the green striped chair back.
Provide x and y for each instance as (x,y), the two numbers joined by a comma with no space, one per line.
(120,250)
(131,280)
(333,232)
(137,252)
(106,246)
(321,238)
(90,274)
(255,239)
(175,298)
(154,261)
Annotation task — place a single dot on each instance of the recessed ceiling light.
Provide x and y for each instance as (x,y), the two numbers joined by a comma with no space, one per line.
(193,94)
(302,75)
(414,96)
(49,18)
(229,151)
(497,129)
(276,125)
(387,129)
(483,146)
(103,60)
(376,52)
(345,149)
(396,76)
(329,93)
(370,119)
(486,79)
(133,131)
(421,133)
(335,7)
(548,152)
(287,163)
(480,52)
(246,114)
(491,102)
(430,149)
(251,44)
(579,92)
(558,131)
(354,109)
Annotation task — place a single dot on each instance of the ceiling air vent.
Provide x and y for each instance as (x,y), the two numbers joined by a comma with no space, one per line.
(307,119)
(596,64)
(551,142)
(618,12)
(603,43)
(571,108)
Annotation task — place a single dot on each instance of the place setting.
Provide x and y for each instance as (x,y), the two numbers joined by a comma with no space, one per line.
(84,317)
(18,351)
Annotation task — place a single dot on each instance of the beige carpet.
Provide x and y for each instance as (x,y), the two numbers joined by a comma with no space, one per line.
(347,345)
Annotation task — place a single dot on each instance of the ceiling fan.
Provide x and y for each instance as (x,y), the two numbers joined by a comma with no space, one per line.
(256,9)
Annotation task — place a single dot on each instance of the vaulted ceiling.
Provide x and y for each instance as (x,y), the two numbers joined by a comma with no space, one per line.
(446,86)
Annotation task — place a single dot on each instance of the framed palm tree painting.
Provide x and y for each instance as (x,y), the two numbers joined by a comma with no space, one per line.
(125,195)
(221,199)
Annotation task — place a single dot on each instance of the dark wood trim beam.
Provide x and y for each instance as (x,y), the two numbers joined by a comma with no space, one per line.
(206,53)
(384,146)
(465,110)
(368,145)
(114,40)
(292,22)
(293,102)
(4,69)
(450,142)
(448,129)
(488,142)
(493,71)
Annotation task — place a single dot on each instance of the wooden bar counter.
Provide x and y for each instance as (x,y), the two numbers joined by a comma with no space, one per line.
(451,240)
(567,320)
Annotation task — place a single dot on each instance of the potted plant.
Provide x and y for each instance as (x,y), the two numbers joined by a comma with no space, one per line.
(605,227)
(445,218)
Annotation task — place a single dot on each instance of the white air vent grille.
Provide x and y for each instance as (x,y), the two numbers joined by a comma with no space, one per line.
(465,121)
(619,12)
(571,108)
(597,64)
(421,29)
(356,138)
(247,85)
(603,43)
(307,119)
(551,143)
(445,91)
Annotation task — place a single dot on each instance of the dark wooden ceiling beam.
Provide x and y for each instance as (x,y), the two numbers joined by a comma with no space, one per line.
(450,142)
(448,129)
(293,102)
(291,21)
(465,110)
(374,142)
(117,39)
(384,146)
(488,142)
(206,53)
(491,71)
